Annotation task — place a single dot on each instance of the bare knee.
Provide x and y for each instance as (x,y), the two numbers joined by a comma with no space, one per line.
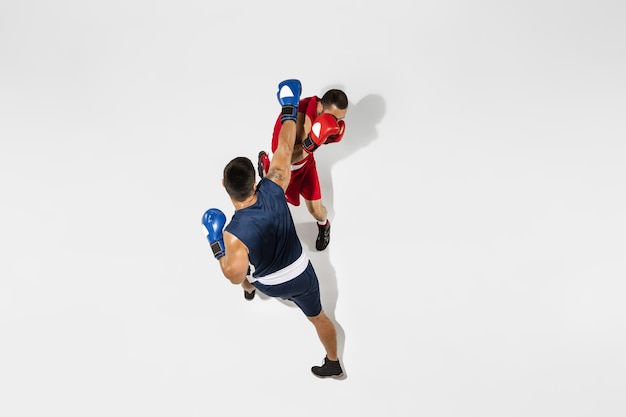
(319,319)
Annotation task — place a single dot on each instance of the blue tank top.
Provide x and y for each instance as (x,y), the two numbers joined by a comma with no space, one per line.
(267,229)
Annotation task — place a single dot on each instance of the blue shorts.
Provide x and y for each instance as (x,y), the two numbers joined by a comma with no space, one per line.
(304,291)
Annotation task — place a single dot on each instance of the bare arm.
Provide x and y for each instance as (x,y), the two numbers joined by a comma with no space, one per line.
(305,127)
(280,167)
(289,97)
(235,262)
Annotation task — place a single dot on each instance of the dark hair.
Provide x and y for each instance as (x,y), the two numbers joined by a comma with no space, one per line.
(336,97)
(239,177)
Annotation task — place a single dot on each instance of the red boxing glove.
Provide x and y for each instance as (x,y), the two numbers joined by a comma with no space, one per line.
(324,126)
(336,138)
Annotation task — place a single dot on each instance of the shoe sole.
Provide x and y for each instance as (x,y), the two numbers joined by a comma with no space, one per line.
(340,376)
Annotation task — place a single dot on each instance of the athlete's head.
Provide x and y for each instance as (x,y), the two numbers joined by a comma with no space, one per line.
(239,178)
(335,102)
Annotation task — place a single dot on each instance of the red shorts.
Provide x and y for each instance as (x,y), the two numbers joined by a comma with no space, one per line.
(304,181)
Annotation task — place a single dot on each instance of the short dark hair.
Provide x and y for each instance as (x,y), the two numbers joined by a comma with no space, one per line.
(239,177)
(335,97)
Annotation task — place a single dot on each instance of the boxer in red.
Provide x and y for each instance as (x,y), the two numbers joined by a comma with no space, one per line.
(320,121)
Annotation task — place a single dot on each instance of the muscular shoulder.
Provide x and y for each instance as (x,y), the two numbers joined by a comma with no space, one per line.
(308,106)
(268,187)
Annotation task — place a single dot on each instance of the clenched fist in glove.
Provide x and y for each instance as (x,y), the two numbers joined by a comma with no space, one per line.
(324,127)
(214,221)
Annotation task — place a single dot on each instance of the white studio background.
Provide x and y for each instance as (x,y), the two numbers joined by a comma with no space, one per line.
(477,260)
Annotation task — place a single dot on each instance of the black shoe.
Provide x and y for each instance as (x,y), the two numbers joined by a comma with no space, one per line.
(323,236)
(260,162)
(249,295)
(330,369)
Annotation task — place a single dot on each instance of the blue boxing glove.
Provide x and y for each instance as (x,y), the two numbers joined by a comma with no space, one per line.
(289,96)
(214,221)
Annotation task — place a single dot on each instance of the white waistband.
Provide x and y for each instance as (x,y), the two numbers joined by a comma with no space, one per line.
(287,273)
(298,166)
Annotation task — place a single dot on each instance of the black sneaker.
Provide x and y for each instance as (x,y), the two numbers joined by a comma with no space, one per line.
(249,295)
(330,369)
(262,157)
(323,236)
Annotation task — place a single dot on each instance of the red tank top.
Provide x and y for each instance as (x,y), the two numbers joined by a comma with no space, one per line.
(308,105)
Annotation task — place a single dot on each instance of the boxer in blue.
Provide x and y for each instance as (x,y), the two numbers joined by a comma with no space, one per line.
(259,248)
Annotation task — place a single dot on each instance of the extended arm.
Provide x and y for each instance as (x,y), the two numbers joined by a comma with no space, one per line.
(280,167)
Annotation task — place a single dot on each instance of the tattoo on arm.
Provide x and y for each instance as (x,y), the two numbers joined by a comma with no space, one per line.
(276,174)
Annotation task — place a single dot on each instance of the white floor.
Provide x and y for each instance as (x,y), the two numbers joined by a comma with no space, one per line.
(477,263)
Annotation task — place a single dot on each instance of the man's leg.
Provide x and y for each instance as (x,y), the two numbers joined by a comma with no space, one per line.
(248,289)
(328,336)
(319,212)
